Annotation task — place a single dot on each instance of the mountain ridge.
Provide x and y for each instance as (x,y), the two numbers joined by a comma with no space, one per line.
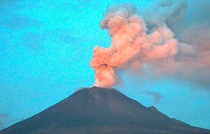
(100,110)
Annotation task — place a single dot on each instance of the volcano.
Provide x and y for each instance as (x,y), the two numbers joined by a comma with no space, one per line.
(102,111)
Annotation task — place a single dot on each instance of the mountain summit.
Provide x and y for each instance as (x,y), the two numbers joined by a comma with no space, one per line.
(102,111)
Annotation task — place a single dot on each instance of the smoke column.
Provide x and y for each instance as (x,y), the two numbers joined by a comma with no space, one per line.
(132,44)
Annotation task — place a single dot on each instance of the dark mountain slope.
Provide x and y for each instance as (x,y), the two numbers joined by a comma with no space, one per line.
(100,110)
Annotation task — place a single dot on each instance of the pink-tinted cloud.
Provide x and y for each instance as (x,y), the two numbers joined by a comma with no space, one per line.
(192,62)
(183,53)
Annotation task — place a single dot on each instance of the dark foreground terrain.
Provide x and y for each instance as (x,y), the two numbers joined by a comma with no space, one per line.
(101,111)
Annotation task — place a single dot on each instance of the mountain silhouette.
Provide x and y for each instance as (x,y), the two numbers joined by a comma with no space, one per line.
(102,111)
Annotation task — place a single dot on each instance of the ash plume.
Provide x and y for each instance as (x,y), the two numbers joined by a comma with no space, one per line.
(131,46)
(151,41)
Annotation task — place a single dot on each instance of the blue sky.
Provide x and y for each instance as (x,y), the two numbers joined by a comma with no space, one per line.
(46,47)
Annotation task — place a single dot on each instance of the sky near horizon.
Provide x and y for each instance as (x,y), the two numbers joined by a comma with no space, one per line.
(46,47)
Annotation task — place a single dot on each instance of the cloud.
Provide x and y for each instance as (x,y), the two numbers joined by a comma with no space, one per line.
(157,97)
(172,40)
(192,61)
(16,21)
(131,45)
(166,12)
